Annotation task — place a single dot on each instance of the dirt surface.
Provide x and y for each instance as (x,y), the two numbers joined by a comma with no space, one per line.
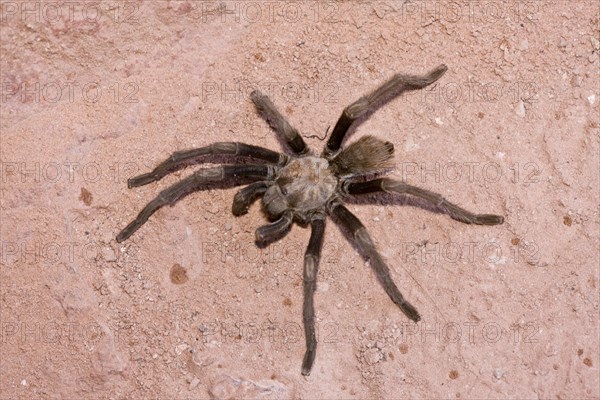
(94,93)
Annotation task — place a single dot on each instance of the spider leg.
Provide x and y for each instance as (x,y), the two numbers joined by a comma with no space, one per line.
(181,158)
(311,264)
(438,201)
(362,238)
(192,183)
(269,112)
(245,196)
(275,230)
(395,86)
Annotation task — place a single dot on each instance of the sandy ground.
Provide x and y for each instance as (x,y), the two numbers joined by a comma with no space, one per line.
(94,93)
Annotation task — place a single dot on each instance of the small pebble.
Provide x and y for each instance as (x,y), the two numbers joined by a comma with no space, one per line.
(108,254)
(195,382)
(180,348)
(592,99)
(562,43)
(322,287)
(576,81)
(520,110)
(524,44)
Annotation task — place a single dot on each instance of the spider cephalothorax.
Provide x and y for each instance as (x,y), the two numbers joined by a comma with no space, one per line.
(306,188)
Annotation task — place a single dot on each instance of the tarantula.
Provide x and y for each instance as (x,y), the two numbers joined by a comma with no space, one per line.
(305,188)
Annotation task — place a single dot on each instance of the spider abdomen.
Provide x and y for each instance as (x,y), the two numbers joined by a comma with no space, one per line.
(304,185)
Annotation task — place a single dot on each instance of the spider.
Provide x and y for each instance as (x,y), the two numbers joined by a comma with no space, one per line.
(306,188)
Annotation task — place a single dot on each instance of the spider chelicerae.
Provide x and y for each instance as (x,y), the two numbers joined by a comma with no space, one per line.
(305,188)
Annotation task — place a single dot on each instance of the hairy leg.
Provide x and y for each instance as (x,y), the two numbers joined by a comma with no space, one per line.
(269,112)
(181,158)
(192,183)
(311,264)
(395,86)
(436,200)
(363,240)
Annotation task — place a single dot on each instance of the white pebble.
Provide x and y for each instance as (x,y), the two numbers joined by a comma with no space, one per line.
(194,383)
(520,110)
(181,348)
(322,287)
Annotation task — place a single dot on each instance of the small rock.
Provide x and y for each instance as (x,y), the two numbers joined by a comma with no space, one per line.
(576,81)
(322,287)
(498,373)
(226,387)
(202,360)
(595,43)
(372,356)
(520,109)
(524,45)
(592,99)
(562,43)
(379,10)
(108,254)
(410,145)
(195,382)
(180,348)
(192,106)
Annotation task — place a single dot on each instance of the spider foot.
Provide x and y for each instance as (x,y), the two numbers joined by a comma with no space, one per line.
(410,311)
(488,219)
(307,363)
